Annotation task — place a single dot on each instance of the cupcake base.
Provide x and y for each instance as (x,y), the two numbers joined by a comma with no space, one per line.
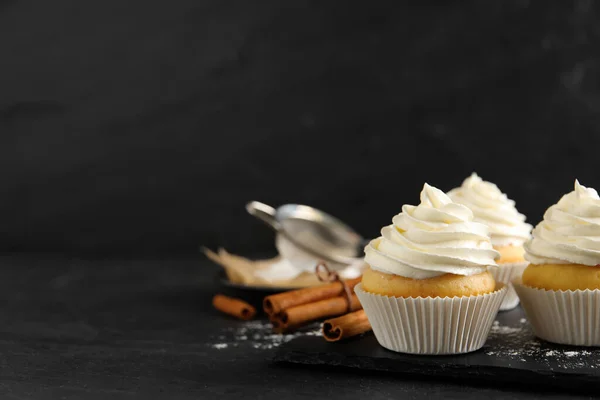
(506,273)
(446,285)
(449,325)
(566,317)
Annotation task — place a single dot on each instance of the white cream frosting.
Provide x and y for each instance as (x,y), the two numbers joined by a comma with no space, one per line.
(434,238)
(569,232)
(494,209)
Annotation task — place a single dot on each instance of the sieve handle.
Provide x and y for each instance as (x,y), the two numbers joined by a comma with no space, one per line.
(263,212)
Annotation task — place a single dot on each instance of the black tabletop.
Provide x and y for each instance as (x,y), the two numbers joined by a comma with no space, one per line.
(144,328)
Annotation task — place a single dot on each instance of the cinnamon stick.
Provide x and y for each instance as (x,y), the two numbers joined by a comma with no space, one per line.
(346,326)
(276,303)
(234,307)
(294,317)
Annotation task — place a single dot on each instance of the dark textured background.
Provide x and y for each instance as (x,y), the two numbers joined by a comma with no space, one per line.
(145,126)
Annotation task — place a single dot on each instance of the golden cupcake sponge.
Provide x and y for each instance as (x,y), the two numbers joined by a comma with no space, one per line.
(447,285)
(562,276)
(510,254)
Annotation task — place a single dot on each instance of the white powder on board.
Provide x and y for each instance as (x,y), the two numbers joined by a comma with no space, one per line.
(505,330)
(259,335)
(519,344)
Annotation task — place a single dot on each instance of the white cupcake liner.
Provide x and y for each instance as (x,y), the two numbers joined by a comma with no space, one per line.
(564,317)
(449,325)
(506,273)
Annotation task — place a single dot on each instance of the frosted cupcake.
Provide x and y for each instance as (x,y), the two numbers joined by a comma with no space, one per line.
(508,229)
(428,289)
(560,289)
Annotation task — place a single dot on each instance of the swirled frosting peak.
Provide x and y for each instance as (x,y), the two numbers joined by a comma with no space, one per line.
(434,238)
(494,209)
(569,232)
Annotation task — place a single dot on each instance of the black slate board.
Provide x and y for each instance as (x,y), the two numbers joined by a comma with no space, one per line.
(511,354)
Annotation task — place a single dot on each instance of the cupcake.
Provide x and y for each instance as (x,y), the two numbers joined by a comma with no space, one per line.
(560,289)
(508,229)
(428,289)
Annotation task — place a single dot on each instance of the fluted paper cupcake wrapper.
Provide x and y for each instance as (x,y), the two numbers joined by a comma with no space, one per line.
(565,317)
(450,325)
(506,273)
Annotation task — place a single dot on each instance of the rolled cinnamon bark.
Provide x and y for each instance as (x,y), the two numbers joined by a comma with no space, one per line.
(346,326)
(234,307)
(294,317)
(276,303)
(276,322)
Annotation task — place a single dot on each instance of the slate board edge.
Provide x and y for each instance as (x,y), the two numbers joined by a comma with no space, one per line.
(492,375)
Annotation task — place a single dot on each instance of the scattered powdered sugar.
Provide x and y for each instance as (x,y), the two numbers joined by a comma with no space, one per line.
(517,343)
(577,353)
(505,330)
(259,335)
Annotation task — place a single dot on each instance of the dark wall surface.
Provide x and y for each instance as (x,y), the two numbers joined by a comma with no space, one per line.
(145,126)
